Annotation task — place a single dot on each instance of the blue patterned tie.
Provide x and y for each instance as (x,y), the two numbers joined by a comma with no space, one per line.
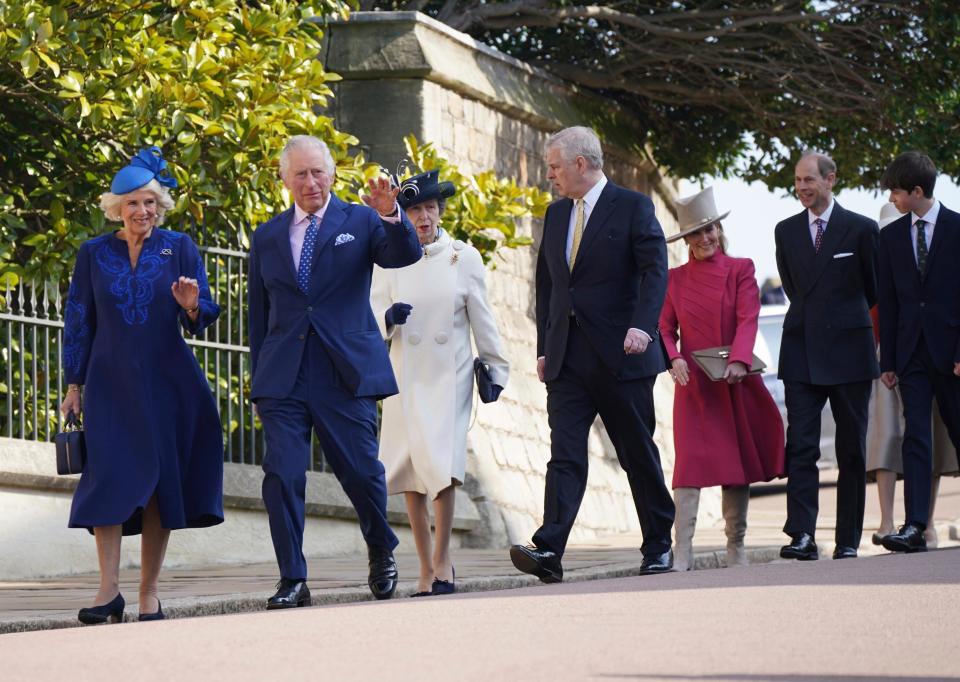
(306,254)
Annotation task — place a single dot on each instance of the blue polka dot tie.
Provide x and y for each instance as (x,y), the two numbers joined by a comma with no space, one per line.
(306,254)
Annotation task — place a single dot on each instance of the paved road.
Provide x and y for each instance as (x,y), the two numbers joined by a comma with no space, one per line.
(884,617)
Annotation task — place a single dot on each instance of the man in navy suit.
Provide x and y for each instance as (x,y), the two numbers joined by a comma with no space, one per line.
(600,284)
(827,258)
(317,357)
(919,328)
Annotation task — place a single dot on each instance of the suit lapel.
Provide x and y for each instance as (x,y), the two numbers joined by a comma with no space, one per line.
(903,245)
(559,227)
(801,250)
(944,219)
(605,205)
(834,233)
(282,239)
(333,218)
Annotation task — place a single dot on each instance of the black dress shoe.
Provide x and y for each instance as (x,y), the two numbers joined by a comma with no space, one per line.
(95,615)
(842,552)
(803,547)
(539,562)
(444,586)
(158,615)
(908,539)
(291,593)
(657,563)
(383,572)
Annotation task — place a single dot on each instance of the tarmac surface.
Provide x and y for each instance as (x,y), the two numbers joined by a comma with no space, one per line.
(878,618)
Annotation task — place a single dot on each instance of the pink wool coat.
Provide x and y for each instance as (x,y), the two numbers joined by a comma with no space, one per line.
(724,434)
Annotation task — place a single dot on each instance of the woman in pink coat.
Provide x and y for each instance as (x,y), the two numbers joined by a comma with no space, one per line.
(728,432)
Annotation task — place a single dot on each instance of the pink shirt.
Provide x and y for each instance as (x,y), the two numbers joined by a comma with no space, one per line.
(301,220)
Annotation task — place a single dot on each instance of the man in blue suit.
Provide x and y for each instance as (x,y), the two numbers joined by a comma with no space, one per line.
(919,328)
(317,357)
(600,284)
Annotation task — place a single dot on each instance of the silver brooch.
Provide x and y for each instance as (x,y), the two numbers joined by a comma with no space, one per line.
(166,252)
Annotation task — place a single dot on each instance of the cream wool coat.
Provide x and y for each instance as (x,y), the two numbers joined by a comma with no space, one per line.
(423,436)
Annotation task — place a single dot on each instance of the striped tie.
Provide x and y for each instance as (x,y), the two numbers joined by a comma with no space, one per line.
(306,254)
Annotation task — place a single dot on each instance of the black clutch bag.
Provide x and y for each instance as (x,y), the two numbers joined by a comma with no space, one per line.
(71,448)
(488,390)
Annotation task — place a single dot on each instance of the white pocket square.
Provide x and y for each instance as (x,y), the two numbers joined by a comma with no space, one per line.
(843,255)
(343,239)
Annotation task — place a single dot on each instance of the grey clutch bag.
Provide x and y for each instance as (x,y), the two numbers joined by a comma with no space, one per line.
(713,361)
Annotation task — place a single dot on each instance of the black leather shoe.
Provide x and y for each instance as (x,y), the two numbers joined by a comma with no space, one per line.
(842,552)
(158,615)
(383,572)
(657,563)
(803,547)
(908,539)
(112,611)
(291,593)
(444,586)
(539,562)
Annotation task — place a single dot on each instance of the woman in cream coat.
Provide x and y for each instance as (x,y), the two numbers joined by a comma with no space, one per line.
(427,310)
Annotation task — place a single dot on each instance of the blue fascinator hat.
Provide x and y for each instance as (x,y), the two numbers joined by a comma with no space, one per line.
(147,165)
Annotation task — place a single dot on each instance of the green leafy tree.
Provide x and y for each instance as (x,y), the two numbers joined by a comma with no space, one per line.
(741,86)
(486,210)
(218,84)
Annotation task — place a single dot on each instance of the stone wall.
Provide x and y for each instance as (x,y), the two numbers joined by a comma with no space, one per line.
(406,73)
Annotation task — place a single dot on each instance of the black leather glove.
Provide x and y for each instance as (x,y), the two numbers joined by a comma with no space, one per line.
(397,313)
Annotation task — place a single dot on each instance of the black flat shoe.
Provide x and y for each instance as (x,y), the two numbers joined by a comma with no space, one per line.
(96,615)
(539,562)
(421,594)
(657,563)
(291,593)
(445,586)
(157,615)
(383,576)
(908,539)
(803,548)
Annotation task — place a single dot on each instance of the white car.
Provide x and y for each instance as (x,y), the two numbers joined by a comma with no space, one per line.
(767,348)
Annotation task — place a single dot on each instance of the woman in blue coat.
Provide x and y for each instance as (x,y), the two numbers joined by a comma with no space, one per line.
(153,434)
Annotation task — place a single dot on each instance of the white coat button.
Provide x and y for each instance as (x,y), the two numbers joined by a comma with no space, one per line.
(414,339)
(440,338)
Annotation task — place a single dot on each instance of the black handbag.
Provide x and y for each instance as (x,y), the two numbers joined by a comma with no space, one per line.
(488,390)
(71,447)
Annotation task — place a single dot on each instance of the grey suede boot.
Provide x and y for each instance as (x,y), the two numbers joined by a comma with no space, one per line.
(687,501)
(734,501)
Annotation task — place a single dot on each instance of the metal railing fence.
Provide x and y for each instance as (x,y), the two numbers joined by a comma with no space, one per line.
(31,372)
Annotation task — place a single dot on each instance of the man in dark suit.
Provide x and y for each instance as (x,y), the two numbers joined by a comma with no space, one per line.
(600,283)
(827,258)
(919,328)
(317,357)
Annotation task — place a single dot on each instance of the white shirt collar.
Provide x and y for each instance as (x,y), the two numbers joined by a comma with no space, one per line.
(930,218)
(825,216)
(593,194)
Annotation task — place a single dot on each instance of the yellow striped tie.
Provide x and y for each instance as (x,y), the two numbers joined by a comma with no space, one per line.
(577,233)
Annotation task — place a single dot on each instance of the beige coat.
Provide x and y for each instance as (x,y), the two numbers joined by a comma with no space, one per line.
(423,437)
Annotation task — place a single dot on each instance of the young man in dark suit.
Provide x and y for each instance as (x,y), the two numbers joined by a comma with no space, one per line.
(600,283)
(919,328)
(827,258)
(317,358)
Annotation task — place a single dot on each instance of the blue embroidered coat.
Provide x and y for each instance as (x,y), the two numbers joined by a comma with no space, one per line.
(151,423)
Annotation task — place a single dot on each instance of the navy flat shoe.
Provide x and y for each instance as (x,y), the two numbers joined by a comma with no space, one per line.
(95,615)
(158,615)
(445,586)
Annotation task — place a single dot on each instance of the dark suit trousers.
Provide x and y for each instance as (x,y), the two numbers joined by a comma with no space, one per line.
(583,389)
(849,404)
(920,383)
(347,429)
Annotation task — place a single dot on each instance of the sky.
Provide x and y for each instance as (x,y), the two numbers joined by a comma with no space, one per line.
(755,210)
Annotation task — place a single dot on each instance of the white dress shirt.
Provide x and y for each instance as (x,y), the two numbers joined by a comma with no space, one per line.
(589,201)
(812,220)
(930,218)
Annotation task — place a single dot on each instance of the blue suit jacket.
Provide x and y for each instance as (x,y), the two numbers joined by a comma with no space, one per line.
(619,281)
(337,305)
(911,304)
